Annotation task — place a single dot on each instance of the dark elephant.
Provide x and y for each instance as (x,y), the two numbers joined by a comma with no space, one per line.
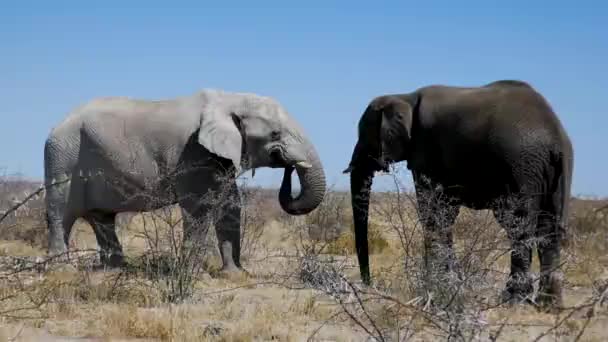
(478,146)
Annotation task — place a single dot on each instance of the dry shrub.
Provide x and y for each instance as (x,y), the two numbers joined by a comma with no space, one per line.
(410,300)
(588,215)
(478,253)
(174,260)
(331,218)
(61,289)
(586,247)
(331,225)
(404,303)
(24,221)
(256,211)
(31,230)
(345,243)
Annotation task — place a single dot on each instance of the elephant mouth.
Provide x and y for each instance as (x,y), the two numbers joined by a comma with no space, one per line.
(279,159)
(382,162)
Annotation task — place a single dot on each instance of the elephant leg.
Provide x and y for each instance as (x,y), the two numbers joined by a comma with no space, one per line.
(68,224)
(58,231)
(198,217)
(56,239)
(208,194)
(104,226)
(549,236)
(60,219)
(59,234)
(437,215)
(438,237)
(228,230)
(220,207)
(195,226)
(518,222)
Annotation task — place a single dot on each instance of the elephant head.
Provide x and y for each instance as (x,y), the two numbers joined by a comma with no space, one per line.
(255,131)
(384,136)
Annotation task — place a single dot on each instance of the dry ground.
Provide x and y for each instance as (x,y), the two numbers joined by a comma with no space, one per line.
(272,302)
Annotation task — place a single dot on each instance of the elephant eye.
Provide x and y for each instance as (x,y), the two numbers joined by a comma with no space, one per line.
(275,135)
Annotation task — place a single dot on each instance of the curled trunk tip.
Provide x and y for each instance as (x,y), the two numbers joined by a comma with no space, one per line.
(312,189)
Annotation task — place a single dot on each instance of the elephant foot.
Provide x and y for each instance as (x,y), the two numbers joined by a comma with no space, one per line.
(549,296)
(518,290)
(112,259)
(230,268)
(58,257)
(57,251)
(233,272)
(366,282)
(515,298)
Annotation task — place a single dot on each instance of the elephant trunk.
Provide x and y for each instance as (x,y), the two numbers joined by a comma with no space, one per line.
(361,179)
(312,186)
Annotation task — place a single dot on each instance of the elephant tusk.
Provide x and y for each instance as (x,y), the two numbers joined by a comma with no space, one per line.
(304,165)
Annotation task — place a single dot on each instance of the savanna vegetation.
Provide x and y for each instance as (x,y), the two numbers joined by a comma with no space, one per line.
(302,281)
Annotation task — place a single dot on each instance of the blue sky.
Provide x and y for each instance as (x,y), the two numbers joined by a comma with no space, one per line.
(323,60)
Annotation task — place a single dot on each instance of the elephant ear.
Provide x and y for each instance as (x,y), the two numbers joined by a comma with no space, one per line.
(397,122)
(222,134)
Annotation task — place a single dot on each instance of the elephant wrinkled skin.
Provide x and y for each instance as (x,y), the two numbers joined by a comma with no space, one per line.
(119,154)
(499,146)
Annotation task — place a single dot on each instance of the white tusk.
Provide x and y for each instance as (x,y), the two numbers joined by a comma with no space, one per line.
(304,165)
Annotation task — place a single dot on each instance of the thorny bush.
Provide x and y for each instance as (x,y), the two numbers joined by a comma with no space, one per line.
(409,299)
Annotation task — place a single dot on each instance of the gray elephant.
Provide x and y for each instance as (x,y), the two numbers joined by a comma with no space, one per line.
(499,146)
(118,154)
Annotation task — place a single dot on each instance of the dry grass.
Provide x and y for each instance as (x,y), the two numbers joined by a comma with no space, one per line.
(271,303)
(100,305)
(345,243)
